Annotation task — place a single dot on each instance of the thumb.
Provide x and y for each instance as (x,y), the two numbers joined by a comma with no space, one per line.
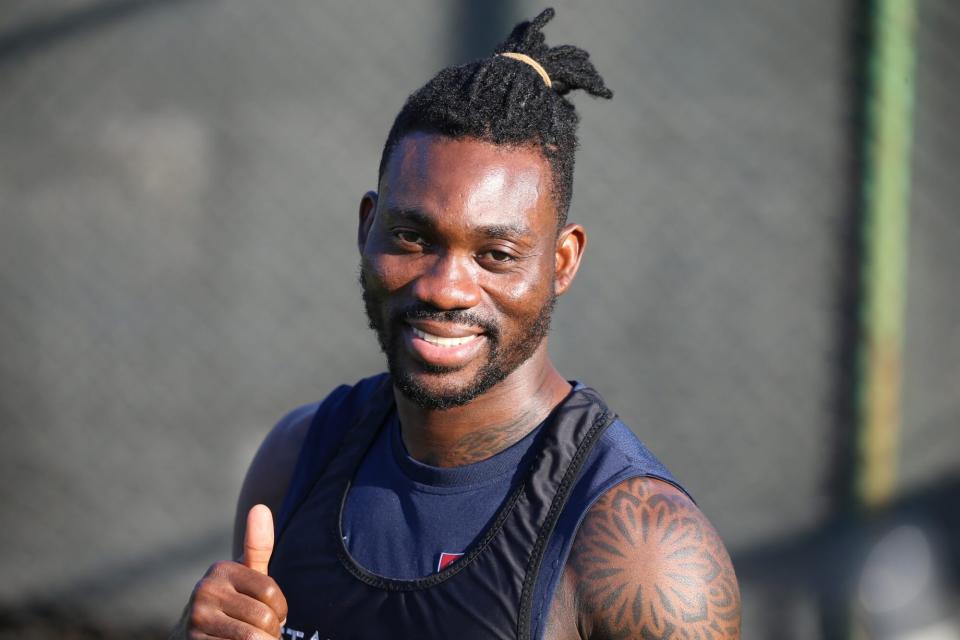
(258,539)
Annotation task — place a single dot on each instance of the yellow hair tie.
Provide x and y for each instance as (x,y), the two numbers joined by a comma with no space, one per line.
(522,57)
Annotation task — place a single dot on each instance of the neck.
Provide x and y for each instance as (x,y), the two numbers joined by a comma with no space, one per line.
(488,424)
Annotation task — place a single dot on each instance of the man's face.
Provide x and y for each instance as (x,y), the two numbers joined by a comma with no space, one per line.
(458,264)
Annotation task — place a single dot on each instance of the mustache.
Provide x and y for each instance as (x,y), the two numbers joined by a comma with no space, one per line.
(457,316)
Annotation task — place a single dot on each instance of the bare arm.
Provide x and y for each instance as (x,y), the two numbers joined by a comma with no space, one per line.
(238,599)
(270,472)
(646,563)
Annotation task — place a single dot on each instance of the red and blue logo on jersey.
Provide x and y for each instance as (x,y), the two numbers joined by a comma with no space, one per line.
(446,559)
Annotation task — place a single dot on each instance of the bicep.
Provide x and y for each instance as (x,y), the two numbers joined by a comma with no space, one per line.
(269,475)
(647,563)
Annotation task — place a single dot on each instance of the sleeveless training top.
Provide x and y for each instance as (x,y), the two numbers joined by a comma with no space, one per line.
(363,524)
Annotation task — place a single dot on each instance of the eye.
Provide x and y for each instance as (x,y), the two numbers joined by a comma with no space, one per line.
(500,257)
(409,237)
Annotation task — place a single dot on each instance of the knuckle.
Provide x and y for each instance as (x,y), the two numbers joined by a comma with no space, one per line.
(220,569)
(203,589)
(250,634)
(271,591)
(275,598)
(267,619)
(198,617)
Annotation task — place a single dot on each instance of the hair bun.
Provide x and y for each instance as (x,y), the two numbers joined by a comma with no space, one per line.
(569,67)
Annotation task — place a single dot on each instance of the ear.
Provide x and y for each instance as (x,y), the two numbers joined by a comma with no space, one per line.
(571,242)
(368,210)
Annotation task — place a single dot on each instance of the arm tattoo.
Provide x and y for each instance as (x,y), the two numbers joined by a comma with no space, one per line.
(648,565)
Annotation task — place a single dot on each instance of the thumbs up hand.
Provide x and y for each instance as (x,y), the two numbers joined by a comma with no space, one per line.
(237,601)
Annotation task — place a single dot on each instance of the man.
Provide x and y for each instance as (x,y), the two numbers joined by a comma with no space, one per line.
(472,491)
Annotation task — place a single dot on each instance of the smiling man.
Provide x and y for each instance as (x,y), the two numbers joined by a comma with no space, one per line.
(472,491)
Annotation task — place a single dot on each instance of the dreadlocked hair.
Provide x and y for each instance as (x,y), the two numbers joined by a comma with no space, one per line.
(505,101)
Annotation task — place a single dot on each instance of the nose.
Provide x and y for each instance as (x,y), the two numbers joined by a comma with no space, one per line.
(449,283)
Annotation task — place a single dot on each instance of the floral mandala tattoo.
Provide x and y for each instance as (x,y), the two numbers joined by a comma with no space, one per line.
(694,594)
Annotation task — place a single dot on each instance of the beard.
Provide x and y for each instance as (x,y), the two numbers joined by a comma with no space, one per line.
(503,357)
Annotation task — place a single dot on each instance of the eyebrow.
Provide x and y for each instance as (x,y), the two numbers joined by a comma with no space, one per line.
(500,231)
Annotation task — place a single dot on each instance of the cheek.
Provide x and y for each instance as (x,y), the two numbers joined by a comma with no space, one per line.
(523,293)
(385,272)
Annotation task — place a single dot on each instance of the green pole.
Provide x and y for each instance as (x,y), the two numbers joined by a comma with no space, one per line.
(886,191)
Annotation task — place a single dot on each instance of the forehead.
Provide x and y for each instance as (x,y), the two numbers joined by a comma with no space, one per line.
(480,180)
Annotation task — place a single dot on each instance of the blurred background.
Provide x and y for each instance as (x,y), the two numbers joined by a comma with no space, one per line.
(769,297)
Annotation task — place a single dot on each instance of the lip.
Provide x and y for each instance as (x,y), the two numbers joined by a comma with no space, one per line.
(450,357)
(445,329)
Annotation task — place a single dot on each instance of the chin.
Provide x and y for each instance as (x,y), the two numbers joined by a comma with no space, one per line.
(431,391)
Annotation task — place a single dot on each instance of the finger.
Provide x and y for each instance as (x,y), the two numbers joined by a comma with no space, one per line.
(258,539)
(253,612)
(200,635)
(262,589)
(226,627)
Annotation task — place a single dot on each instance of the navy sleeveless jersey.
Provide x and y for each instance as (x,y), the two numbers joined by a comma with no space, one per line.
(406,526)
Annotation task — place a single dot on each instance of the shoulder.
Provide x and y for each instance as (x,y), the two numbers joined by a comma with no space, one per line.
(278,454)
(280,448)
(286,438)
(621,452)
(269,475)
(647,563)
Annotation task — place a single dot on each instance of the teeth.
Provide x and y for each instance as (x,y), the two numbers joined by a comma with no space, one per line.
(442,342)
